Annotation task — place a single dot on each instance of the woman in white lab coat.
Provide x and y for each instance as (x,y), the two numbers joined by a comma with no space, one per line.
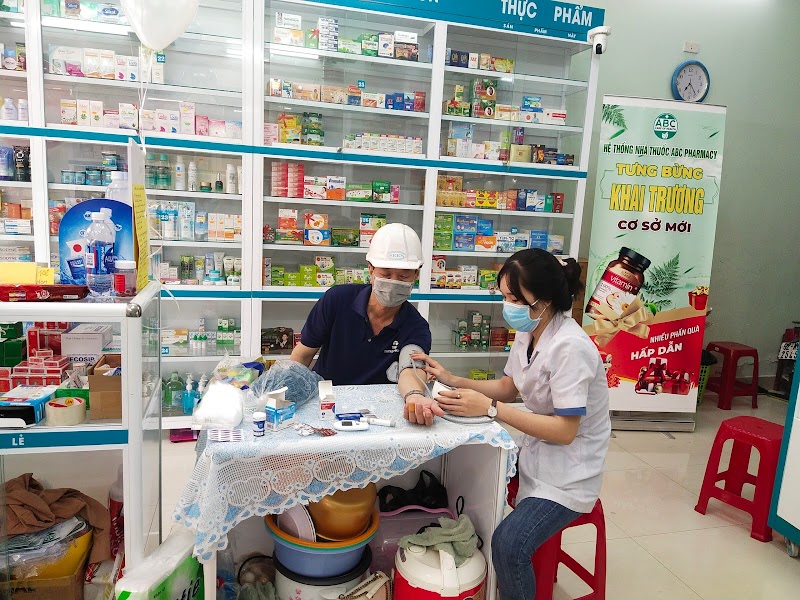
(556,369)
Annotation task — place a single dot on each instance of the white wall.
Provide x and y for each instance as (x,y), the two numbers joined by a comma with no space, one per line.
(752,50)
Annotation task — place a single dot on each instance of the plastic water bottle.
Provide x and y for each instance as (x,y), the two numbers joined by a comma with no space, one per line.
(100,237)
(118,189)
(180,175)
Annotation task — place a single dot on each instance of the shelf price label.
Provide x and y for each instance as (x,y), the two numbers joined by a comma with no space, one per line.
(362,84)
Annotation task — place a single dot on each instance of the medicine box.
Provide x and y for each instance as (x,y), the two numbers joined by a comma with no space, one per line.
(85,343)
(24,405)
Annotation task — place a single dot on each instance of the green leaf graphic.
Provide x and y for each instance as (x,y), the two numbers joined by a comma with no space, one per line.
(619,133)
(662,280)
(614,115)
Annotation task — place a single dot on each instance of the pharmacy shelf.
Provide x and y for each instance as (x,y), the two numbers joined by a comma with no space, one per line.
(289,102)
(13,123)
(471,253)
(204,358)
(51,439)
(182,422)
(124,30)
(495,167)
(193,195)
(193,244)
(13,74)
(503,213)
(12,16)
(544,129)
(13,237)
(154,139)
(347,203)
(303,248)
(449,351)
(512,77)
(220,97)
(69,187)
(15,184)
(202,293)
(459,296)
(295,52)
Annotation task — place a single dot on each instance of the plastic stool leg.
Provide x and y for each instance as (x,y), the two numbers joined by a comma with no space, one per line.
(736,475)
(765,482)
(710,478)
(545,567)
(725,385)
(755,381)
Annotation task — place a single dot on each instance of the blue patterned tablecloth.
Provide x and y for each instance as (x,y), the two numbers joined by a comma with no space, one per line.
(233,481)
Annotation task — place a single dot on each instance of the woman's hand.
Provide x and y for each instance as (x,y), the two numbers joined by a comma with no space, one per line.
(434,369)
(464,403)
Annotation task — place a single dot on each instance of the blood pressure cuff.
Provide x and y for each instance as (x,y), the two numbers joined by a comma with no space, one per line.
(404,362)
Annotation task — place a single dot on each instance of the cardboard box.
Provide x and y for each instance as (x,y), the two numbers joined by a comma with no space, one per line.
(85,343)
(105,393)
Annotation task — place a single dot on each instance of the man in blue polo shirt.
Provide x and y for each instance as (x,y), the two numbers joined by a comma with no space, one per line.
(362,331)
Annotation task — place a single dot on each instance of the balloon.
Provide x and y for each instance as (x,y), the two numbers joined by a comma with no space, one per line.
(158,23)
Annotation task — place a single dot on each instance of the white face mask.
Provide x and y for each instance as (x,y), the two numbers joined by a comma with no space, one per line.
(390,292)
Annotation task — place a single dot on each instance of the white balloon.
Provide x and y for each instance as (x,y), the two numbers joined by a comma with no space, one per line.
(158,23)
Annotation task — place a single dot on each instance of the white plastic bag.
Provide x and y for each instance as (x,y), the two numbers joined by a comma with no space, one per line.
(220,408)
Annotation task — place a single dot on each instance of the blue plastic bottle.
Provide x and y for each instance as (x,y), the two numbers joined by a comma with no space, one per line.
(99,260)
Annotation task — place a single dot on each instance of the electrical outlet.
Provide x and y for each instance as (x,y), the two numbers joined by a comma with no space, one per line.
(692,47)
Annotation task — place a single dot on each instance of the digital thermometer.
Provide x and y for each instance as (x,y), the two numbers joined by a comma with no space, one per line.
(351,425)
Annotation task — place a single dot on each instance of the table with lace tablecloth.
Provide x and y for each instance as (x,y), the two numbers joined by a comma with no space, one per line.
(233,481)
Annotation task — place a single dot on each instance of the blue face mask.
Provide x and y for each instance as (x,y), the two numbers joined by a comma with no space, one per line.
(518,316)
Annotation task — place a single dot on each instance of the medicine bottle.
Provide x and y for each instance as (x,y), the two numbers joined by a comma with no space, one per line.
(125,278)
(620,283)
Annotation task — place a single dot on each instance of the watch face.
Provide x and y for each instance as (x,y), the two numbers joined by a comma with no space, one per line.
(492,412)
(692,83)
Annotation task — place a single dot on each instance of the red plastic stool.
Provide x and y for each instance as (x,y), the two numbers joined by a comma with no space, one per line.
(747,433)
(550,554)
(727,386)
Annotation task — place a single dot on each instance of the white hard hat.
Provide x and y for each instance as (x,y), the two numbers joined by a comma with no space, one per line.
(395,246)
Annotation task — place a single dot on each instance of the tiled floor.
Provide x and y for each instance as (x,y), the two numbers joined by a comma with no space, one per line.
(659,548)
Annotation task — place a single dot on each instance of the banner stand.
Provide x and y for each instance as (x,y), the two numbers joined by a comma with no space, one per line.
(637,421)
(657,195)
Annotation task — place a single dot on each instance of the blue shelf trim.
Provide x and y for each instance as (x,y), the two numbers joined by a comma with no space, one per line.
(779,524)
(462,297)
(211,293)
(309,295)
(20,440)
(205,144)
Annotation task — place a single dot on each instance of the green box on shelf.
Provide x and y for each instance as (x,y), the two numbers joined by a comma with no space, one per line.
(293,279)
(312,38)
(14,347)
(344,237)
(442,240)
(278,275)
(444,223)
(10,330)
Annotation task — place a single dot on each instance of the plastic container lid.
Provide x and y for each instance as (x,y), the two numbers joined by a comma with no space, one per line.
(117,176)
(125,265)
(259,416)
(98,216)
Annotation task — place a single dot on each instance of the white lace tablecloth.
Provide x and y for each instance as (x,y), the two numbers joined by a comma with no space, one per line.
(233,481)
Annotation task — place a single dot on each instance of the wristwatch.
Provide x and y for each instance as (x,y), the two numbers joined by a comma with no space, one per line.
(492,410)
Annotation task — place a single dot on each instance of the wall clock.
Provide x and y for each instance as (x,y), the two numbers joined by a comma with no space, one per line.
(690,81)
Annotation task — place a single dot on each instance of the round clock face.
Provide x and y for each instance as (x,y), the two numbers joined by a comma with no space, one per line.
(690,82)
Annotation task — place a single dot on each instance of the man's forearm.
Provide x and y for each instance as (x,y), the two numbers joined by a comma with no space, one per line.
(407,382)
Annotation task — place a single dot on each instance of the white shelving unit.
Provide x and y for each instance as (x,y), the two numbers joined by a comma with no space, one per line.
(134,440)
(224,63)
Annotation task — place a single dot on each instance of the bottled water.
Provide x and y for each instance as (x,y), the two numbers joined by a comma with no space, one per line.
(119,188)
(100,237)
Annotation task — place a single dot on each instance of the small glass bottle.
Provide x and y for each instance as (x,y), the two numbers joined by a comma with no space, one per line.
(620,283)
(125,278)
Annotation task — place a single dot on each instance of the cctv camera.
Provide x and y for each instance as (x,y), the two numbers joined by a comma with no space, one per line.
(598,38)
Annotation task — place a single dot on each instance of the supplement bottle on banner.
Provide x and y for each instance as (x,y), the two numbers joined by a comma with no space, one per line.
(620,283)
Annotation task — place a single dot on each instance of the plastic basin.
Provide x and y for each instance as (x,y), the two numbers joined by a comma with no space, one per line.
(319,559)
